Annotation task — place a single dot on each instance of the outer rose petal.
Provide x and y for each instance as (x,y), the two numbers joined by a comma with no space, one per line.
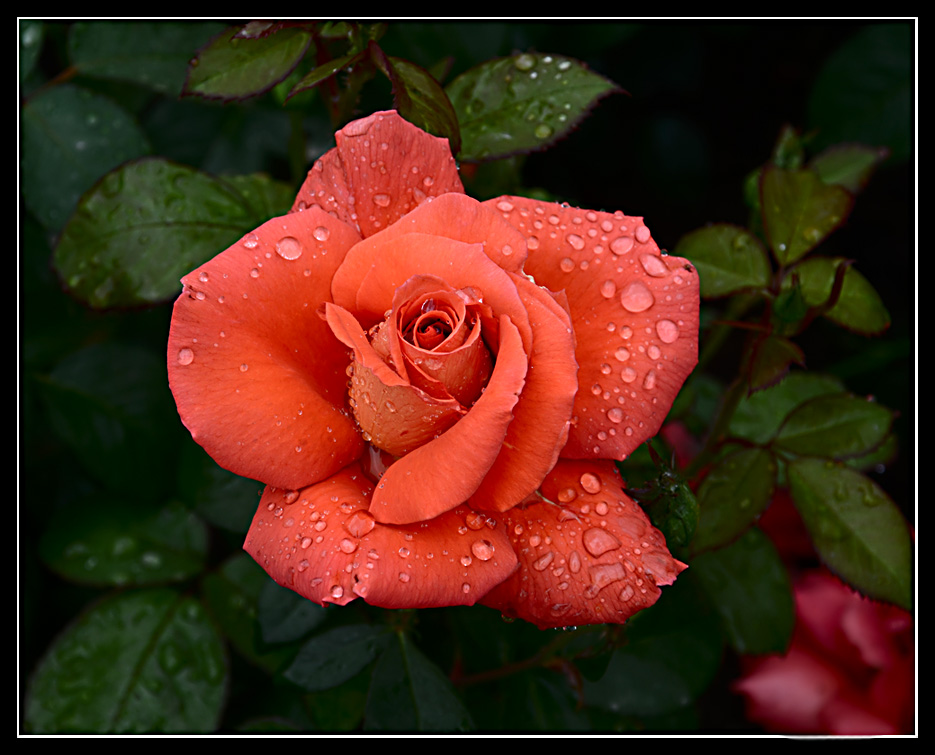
(257,375)
(382,168)
(587,553)
(635,315)
(322,542)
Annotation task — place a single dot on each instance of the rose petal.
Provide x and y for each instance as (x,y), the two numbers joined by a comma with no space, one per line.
(587,553)
(541,419)
(440,475)
(382,168)
(395,415)
(375,268)
(635,315)
(257,376)
(322,542)
(462,218)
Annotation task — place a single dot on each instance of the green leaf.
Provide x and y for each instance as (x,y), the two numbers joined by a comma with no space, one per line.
(522,103)
(231,595)
(858,308)
(759,416)
(864,93)
(70,138)
(671,505)
(115,541)
(734,493)
(152,54)
(672,654)
(420,99)
(848,165)
(111,405)
(220,497)
(265,197)
(772,357)
(836,427)
(143,227)
(325,71)
(410,693)
(728,259)
(285,615)
(800,211)
(30,45)
(751,592)
(235,68)
(333,657)
(857,530)
(136,662)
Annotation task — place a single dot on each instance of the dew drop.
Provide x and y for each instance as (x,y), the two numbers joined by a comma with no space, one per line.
(667,331)
(289,248)
(482,549)
(649,382)
(622,354)
(574,562)
(575,240)
(567,264)
(321,233)
(642,234)
(244,367)
(543,131)
(542,563)
(186,356)
(403,577)
(654,265)
(381,200)
(337,592)
(599,541)
(605,574)
(628,374)
(615,415)
(621,245)
(590,482)
(608,289)
(567,495)
(504,206)
(636,297)
(250,241)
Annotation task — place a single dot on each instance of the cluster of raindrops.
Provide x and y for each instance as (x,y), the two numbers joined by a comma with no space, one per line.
(600,547)
(617,281)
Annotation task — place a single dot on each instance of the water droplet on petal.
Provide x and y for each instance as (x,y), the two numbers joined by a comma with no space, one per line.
(615,415)
(541,563)
(667,331)
(621,245)
(590,482)
(608,289)
(483,549)
(599,541)
(605,574)
(186,356)
(381,200)
(575,240)
(653,265)
(636,297)
(321,233)
(642,234)
(289,248)
(567,264)
(250,241)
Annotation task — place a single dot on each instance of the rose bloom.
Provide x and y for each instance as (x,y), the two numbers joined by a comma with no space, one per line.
(850,669)
(434,389)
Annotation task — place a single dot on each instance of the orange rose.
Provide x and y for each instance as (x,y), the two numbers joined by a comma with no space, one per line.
(413,372)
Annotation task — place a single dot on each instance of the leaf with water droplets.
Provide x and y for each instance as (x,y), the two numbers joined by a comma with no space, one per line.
(234,68)
(145,661)
(835,427)
(772,357)
(800,211)
(750,589)
(734,493)
(522,103)
(104,540)
(154,55)
(148,223)
(333,657)
(857,530)
(70,138)
(410,693)
(858,306)
(728,259)
(285,615)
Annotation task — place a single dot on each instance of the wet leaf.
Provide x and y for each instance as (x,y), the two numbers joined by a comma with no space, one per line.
(285,615)
(325,71)
(728,258)
(848,165)
(70,138)
(522,103)
(858,308)
(154,55)
(836,427)
(114,541)
(31,34)
(235,68)
(800,211)
(857,530)
(731,497)
(750,589)
(409,692)
(759,416)
(147,661)
(146,225)
(333,657)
